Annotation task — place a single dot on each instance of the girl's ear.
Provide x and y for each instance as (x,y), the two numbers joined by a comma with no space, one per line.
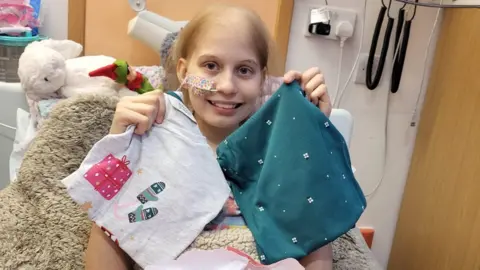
(181,69)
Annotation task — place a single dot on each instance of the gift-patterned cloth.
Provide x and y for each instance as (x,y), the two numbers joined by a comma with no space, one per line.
(109,175)
(152,194)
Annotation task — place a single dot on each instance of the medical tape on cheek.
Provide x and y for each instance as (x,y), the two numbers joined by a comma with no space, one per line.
(199,85)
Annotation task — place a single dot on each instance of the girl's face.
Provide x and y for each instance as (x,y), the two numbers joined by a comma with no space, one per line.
(227,58)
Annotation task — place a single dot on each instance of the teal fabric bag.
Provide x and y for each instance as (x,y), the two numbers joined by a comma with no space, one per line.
(290,173)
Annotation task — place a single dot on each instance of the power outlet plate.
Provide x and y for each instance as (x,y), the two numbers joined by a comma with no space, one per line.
(361,70)
(337,15)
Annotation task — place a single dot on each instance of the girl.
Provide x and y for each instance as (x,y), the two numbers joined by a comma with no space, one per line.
(231,46)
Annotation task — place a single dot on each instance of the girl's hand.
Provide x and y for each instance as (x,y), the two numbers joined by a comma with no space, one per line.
(313,83)
(142,111)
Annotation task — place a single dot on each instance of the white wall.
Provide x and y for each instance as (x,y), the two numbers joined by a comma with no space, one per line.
(54,15)
(369,107)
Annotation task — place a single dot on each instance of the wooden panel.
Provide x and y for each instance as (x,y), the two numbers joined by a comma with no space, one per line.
(76,20)
(439,221)
(106,25)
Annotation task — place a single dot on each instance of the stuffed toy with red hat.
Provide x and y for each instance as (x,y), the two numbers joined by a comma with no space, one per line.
(121,72)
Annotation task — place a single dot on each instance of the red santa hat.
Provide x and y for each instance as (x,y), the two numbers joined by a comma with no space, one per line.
(107,71)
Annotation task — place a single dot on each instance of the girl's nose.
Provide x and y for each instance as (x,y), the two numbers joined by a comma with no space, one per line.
(225,83)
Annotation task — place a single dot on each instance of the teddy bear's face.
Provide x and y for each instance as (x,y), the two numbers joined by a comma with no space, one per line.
(42,73)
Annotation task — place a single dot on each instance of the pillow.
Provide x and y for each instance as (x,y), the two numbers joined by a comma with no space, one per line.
(24,135)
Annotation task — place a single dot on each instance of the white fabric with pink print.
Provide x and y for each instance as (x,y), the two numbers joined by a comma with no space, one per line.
(152,194)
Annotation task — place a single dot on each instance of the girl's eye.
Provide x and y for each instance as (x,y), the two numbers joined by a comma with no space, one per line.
(245,71)
(211,66)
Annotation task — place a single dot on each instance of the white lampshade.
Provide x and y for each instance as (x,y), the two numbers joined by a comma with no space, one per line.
(151,28)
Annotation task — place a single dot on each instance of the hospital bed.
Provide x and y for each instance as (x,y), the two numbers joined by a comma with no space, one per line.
(11,98)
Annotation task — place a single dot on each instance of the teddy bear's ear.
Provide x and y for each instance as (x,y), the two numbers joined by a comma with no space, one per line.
(67,48)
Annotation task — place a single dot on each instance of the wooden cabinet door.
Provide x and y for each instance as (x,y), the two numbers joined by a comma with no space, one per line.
(439,222)
(106,25)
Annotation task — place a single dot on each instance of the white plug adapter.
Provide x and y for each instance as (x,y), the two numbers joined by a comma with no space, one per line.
(344,31)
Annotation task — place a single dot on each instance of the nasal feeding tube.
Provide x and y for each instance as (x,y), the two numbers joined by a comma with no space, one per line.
(199,85)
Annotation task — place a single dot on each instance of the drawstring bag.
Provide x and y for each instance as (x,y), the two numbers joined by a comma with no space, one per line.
(152,194)
(291,176)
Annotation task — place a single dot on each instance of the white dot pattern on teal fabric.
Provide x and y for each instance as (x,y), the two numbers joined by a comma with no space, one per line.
(306,156)
(310,200)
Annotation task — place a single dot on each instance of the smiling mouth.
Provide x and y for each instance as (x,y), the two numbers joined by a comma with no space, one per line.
(225,105)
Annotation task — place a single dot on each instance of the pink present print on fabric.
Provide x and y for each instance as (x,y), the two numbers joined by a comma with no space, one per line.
(109,175)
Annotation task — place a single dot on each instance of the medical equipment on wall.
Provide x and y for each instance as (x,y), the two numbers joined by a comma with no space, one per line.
(372,83)
(400,46)
(149,27)
(403,29)
(421,94)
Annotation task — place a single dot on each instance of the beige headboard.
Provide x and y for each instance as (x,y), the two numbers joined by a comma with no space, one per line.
(101,25)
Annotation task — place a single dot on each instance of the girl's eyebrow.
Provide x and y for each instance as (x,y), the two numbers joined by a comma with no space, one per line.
(250,61)
(205,57)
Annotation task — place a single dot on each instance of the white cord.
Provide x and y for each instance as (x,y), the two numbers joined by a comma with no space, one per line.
(387,113)
(7,126)
(339,69)
(385,131)
(385,149)
(336,103)
(414,120)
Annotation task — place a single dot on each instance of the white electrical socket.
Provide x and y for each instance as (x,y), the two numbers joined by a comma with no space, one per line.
(337,15)
(361,70)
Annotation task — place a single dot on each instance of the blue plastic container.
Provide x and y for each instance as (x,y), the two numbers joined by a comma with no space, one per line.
(36,5)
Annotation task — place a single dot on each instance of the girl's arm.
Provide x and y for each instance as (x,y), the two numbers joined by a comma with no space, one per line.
(321,259)
(103,253)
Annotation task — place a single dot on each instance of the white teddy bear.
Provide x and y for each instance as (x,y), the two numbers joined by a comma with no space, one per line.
(53,69)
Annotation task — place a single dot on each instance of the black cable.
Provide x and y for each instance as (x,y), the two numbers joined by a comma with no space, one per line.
(398,33)
(399,60)
(372,83)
